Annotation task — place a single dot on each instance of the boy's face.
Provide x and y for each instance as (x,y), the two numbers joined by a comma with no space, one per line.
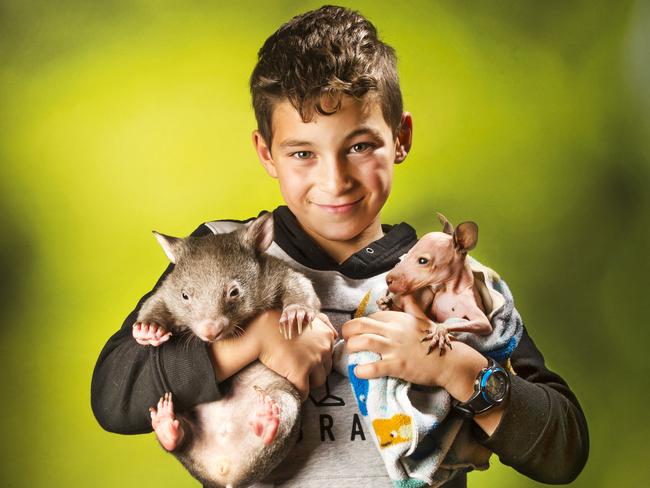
(335,171)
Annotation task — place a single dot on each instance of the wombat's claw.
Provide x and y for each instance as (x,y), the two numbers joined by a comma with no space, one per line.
(265,419)
(385,302)
(166,426)
(150,334)
(295,314)
(439,338)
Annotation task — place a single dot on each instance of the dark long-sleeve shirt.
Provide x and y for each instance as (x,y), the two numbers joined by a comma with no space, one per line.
(543,433)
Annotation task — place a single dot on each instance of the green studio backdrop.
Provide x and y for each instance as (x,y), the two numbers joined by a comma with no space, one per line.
(531,118)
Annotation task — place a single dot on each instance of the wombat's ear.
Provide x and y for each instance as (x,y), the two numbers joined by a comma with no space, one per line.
(466,236)
(171,245)
(447,228)
(259,233)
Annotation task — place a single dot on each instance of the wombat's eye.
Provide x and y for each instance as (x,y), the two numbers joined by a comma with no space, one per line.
(185,296)
(233,292)
(423,260)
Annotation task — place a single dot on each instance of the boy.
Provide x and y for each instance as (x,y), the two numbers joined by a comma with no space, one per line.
(330,127)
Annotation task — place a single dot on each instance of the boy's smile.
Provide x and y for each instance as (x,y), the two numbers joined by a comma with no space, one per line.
(336,171)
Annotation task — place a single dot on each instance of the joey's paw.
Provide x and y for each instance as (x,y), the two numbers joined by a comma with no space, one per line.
(295,316)
(439,337)
(166,426)
(265,418)
(150,333)
(385,302)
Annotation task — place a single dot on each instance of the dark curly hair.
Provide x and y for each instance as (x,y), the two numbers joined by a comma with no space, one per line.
(331,51)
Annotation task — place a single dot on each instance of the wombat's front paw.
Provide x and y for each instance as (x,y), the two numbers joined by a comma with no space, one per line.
(166,426)
(150,333)
(385,302)
(439,337)
(298,315)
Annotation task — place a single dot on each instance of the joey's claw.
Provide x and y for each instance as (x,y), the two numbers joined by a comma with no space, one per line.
(439,338)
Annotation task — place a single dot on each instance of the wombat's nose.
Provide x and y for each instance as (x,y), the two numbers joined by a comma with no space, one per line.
(212,335)
(211,330)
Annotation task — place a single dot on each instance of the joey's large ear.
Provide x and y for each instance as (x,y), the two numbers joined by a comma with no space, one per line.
(447,228)
(172,246)
(466,236)
(259,233)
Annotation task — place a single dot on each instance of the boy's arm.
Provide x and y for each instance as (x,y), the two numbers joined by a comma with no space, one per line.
(129,378)
(543,431)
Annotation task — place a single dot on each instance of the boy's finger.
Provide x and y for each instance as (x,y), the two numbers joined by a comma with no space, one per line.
(377,369)
(368,342)
(363,325)
(325,319)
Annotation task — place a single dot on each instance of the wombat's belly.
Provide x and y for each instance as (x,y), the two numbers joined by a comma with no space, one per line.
(243,436)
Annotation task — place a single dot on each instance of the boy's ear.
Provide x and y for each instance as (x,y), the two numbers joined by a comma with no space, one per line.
(264,154)
(404,137)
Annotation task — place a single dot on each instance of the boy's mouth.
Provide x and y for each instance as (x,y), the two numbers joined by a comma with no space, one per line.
(339,208)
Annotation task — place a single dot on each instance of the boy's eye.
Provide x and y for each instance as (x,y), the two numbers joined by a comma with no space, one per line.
(360,147)
(302,154)
(423,260)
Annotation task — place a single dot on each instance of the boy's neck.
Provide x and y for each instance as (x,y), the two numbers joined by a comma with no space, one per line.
(340,251)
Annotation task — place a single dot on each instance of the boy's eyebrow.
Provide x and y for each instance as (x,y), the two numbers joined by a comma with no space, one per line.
(294,143)
(361,131)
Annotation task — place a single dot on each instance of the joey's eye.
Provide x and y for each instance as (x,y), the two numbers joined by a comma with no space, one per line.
(185,296)
(423,260)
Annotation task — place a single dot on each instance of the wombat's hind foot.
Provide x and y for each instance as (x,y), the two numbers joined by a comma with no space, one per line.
(150,334)
(265,418)
(299,315)
(439,337)
(167,427)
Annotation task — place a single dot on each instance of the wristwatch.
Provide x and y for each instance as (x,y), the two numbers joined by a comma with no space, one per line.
(491,388)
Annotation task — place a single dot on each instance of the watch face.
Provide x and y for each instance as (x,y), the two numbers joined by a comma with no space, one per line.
(496,386)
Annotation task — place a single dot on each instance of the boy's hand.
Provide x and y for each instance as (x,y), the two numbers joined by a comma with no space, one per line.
(304,360)
(397,338)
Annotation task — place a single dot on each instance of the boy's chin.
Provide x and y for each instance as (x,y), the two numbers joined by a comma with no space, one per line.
(338,231)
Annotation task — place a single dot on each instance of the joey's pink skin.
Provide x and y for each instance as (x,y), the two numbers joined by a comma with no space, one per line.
(436,271)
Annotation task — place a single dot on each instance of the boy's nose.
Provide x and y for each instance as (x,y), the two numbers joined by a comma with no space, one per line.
(335,177)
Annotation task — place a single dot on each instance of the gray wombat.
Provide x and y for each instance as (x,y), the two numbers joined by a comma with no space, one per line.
(220,282)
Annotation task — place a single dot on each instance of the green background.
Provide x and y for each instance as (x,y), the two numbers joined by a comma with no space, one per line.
(119,117)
